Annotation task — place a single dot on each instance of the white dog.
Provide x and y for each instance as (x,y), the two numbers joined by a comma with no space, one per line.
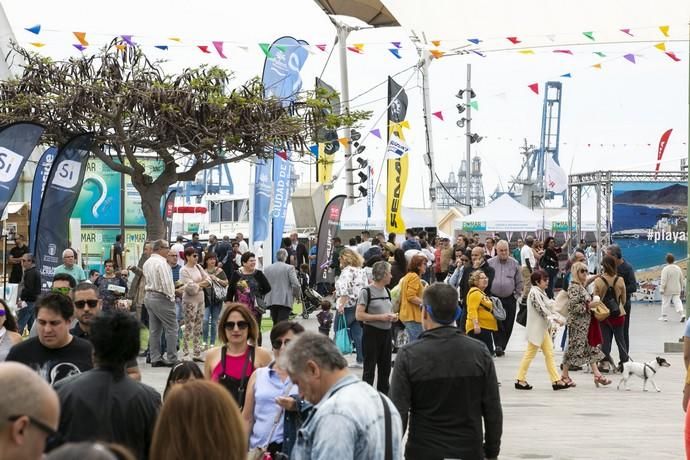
(645,371)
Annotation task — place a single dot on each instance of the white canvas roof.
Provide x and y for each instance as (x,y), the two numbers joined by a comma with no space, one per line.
(589,215)
(504,214)
(355,217)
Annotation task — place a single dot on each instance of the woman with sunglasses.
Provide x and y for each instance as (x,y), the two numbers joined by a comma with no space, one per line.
(268,393)
(248,286)
(580,352)
(194,279)
(233,363)
(540,319)
(9,335)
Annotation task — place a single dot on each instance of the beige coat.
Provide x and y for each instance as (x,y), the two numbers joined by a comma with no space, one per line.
(671,280)
(539,315)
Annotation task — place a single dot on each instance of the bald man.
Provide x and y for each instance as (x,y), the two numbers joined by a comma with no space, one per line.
(29,413)
(507,286)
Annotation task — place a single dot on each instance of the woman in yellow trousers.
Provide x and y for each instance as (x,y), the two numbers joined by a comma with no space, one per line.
(539,318)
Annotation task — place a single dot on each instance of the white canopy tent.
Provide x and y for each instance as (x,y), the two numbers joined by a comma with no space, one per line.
(559,222)
(504,214)
(355,217)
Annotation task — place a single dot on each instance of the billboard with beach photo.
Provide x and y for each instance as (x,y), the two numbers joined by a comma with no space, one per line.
(649,220)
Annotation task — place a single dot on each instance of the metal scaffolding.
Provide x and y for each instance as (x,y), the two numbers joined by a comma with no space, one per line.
(601,183)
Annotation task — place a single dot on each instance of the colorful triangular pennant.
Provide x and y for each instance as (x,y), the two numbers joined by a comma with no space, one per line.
(218,45)
(474,105)
(660,46)
(37,44)
(589,35)
(121,47)
(204,49)
(526,51)
(476,41)
(437,54)
(34,29)
(436,43)
(395,52)
(405,124)
(673,56)
(282,154)
(599,53)
(396,44)
(664,30)
(597,66)
(266,48)
(376,132)
(314,149)
(513,40)
(321,47)
(630,57)
(161,47)
(534,87)
(566,75)
(175,39)
(563,52)
(127,39)
(438,115)
(357,48)
(627,31)
(479,53)
(81,36)
(79,46)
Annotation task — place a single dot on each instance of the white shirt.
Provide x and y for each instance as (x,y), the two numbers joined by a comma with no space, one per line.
(410,253)
(177,249)
(244,247)
(158,276)
(525,254)
(671,280)
(363,247)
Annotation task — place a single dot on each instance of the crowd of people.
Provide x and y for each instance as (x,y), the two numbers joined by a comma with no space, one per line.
(456,302)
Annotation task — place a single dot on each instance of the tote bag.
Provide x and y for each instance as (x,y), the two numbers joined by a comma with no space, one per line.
(342,337)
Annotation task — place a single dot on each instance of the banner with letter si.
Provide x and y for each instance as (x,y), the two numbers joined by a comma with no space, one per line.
(61,193)
(17,141)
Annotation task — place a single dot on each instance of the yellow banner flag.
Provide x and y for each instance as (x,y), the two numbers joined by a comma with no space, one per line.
(397,180)
(664,30)
(325,169)
(660,46)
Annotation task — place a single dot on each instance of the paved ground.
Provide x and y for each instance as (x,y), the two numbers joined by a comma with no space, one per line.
(583,422)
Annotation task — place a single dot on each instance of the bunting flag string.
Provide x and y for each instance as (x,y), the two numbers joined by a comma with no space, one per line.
(664,30)
(321,47)
(219,48)
(395,52)
(627,32)
(204,49)
(534,87)
(34,29)
(376,132)
(563,52)
(589,35)
(128,39)
(513,40)
(630,57)
(438,115)
(81,37)
(37,44)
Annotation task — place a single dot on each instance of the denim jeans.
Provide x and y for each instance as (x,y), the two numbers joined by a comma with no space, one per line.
(355,332)
(211,321)
(25,317)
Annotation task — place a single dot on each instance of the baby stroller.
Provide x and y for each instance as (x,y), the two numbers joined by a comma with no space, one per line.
(311,300)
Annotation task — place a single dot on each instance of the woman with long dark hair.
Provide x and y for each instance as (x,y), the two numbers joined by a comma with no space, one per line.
(398,267)
(248,286)
(9,335)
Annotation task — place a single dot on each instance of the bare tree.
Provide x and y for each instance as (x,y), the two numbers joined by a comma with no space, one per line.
(135,108)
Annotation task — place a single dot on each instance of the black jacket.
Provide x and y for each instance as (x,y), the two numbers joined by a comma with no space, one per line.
(626,272)
(465,280)
(264,285)
(30,285)
(447,382)
(108,406)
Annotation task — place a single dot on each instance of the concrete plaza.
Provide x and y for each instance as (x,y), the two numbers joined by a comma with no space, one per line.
(583,422)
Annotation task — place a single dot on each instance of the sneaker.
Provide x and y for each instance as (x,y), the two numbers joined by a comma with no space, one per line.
(662,318)
(356,365)
(682,319)
(499,351)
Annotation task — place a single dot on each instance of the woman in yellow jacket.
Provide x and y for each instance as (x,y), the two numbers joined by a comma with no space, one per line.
(480,322)
(411,290)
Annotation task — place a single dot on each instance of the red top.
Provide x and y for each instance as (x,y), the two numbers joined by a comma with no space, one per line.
(233,366)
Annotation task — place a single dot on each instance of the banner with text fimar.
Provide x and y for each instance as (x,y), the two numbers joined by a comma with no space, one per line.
(60,196)
(397,168)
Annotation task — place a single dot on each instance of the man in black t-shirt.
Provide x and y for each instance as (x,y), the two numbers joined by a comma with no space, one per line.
(118,251)
(55,353)
(197,246)
(15,259)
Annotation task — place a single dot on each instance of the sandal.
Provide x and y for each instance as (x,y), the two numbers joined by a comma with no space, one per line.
(559,385)
(601,380)
(522,386)
(568,381)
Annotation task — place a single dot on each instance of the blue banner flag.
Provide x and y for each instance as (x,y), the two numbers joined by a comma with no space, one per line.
(17,141)
(40,179)
(281,79)
(263,189)
(60,195)
(282,170)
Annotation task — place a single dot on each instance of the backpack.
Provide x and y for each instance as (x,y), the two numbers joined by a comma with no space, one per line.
(610,299)
(369,298)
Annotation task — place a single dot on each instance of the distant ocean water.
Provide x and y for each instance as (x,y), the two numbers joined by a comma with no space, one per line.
(628,216)
(643,253)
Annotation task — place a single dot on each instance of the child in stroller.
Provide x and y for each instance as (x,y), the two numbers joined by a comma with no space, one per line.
(311,300)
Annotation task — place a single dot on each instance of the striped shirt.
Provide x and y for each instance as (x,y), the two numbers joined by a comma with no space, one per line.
(158,276)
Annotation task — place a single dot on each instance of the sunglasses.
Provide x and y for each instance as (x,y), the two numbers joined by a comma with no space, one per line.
(92,303)
(53,436)
(195,255)
(582,270)
(278,344)
(241,325)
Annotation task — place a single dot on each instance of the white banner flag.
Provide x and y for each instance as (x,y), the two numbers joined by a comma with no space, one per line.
(396,147)
(556,178)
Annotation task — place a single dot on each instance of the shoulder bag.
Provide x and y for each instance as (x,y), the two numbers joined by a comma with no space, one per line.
(257,453)
(342,337)
(601,311)
(497,309)
(561,303)
(388,455)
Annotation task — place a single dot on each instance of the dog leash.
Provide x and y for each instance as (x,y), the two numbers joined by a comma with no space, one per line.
(644,370)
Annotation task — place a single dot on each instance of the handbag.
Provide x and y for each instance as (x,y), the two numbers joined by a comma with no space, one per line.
(342,336)
(521,317)
(395,298)
(561,303)
(601,311)
(497,310)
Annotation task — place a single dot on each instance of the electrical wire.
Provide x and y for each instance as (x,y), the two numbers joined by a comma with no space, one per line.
(449,194)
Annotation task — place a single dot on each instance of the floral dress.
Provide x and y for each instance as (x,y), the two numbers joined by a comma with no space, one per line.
(579,351)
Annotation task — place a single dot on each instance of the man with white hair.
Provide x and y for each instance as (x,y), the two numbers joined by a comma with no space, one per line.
(507,286)
(284,287)
(68,266)
(352,420)
(29,413)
